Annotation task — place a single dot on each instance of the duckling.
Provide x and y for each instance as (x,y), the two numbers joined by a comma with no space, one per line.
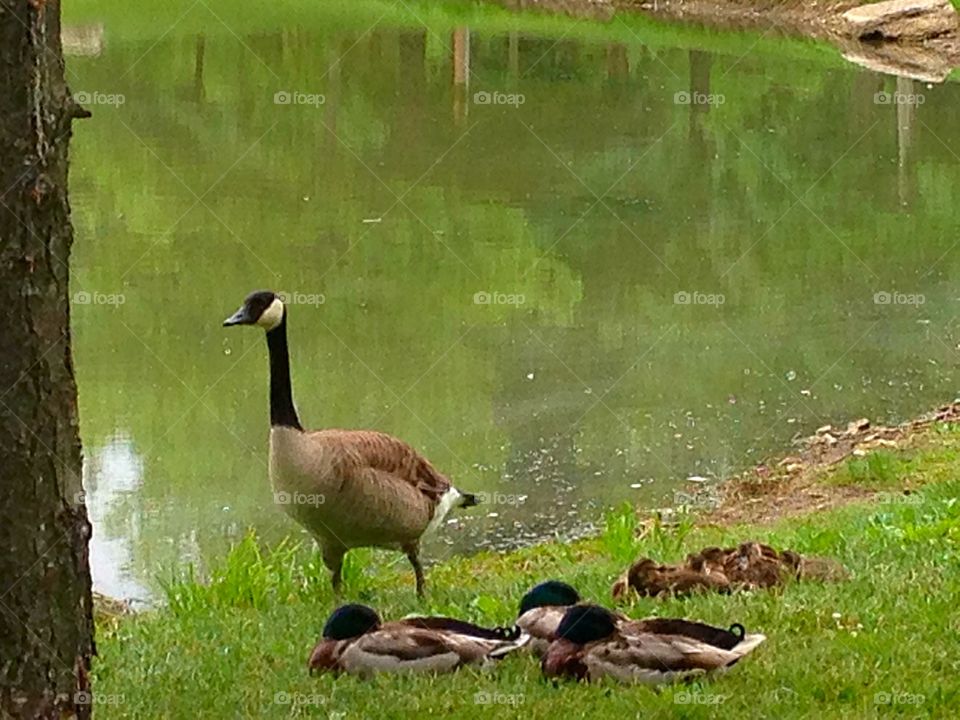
(755,566)
(717,557)
(650,579)
(355,641)
(646,577)
(711,572)
(348,488)
(823,569)
(590,645)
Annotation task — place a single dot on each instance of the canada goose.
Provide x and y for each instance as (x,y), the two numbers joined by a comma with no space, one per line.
(591,643)
(355,641)
(348,488)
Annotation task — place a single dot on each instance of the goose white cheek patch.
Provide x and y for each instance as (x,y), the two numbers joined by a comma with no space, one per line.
(272,316)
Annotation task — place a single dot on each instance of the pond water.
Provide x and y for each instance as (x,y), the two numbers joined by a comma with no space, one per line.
(572,271)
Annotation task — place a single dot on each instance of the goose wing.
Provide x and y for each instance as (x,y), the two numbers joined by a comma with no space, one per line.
(356,452)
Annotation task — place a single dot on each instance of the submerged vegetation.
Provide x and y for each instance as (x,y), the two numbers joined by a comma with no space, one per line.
(880,644)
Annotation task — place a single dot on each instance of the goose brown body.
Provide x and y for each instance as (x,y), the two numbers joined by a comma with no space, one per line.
(368,488)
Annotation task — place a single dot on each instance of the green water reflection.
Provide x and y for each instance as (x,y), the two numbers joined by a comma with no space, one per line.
(778,208)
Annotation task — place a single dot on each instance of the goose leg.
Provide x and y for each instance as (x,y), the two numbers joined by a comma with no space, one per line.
(333,559)
(413,555)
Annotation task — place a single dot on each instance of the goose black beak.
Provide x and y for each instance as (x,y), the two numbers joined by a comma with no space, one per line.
(240,317)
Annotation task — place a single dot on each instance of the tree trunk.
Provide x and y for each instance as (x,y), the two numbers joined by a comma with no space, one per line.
(46,623)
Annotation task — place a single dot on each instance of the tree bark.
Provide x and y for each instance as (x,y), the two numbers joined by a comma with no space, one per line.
(46,623)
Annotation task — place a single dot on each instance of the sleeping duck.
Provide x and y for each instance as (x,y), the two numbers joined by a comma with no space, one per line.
(355,641)
(541,611)
(591,644)
(543,608)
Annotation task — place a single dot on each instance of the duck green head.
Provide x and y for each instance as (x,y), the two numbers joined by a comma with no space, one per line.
(582,624)
(548,594)
(350,621)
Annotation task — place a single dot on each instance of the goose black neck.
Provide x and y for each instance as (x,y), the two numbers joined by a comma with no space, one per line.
(282,411)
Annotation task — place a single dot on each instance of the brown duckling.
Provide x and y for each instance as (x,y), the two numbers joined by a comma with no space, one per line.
(756,566)
(823,569)
(650,579)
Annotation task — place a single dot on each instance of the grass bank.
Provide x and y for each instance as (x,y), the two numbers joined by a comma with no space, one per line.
(882,644)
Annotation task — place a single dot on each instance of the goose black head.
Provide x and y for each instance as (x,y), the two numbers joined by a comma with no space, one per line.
(582,624)
(350,621)
(263,308)
(547,594)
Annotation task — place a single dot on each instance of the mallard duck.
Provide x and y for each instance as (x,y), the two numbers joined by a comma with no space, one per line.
(348,488)
(355,641)
(542,609)
(590,645)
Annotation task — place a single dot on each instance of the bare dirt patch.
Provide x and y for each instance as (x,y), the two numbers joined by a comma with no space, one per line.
(793,485)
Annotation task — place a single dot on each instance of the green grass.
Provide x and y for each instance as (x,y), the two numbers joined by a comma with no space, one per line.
(236,645)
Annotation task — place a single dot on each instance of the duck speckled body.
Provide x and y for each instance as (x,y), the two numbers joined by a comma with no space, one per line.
(348,488)
(591,644)
(354,641)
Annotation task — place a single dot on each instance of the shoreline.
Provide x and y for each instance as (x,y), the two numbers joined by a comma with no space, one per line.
(786,486)
(923,53)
